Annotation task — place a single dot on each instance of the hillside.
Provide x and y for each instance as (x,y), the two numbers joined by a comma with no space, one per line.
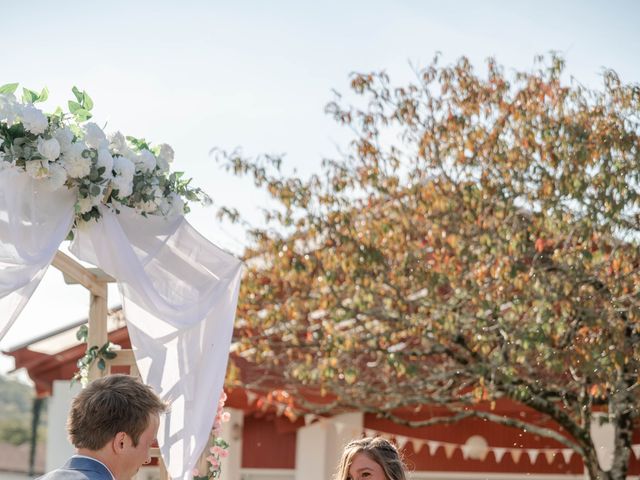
(16,403)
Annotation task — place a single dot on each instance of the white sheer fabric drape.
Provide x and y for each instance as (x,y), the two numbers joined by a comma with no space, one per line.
(179,297)
(33,223)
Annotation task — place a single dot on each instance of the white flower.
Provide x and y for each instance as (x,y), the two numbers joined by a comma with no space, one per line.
(83,205)
(37,168)
(76,165)
(94,136)
(146,162)
(119,143)
(123,184)
(124,167)
(64,136)
(165,157)
(123,180)
(105,160)
(57,176)
(147,207)
(49,149)
(8,109)
(33,119)
(177,205)
(157,194)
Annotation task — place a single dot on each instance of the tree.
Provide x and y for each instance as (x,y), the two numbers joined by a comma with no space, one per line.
(479,240)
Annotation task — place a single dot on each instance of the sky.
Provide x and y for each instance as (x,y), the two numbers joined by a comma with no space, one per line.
(257,75)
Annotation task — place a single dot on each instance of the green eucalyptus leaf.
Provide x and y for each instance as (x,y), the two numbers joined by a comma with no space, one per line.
(44,95)
(78,94)
(82,115)
(8,88)
(74,106)
(29,96)
(82,333)
(87,101)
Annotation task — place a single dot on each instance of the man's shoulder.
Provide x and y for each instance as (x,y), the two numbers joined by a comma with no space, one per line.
(79,468)
(66,474)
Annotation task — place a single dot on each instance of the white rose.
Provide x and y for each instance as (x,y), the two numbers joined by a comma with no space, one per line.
(33,119)
(57,176)
(74,163)
(124,167)
(162,165)
(83,205)
(64,136)
(94,136)
(37,168)
(171,205)
(119,143)
(145,162)
(105,160)
(177,205)
(123,180)
(164,206)
(166,152)
(147,207)
(123,184)
(165,157)
(49,149)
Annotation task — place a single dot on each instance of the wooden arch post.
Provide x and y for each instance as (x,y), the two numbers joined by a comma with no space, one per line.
(96,281)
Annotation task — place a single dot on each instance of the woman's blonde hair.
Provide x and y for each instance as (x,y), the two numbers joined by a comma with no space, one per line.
(381,451)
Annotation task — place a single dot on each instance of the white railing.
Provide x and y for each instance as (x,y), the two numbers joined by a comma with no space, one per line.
(266,474)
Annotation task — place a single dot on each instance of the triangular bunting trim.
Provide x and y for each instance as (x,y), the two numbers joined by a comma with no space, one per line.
(516,453)
(433,447)
(550,455)
(449,448)
(567,453)
(499,452)
(533,454)
(401,441)
(417,444)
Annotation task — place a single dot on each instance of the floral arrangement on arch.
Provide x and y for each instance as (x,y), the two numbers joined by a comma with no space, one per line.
(66,150)
(217,447)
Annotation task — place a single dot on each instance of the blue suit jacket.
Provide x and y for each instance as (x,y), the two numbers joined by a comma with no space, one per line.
(79,468)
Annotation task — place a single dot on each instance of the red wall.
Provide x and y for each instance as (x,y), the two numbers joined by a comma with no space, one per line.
(496,436)
(268,442)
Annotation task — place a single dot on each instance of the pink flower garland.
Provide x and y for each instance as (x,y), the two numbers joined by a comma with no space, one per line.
(218,448)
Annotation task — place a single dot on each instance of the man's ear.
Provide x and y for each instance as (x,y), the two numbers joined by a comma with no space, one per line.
(119,442)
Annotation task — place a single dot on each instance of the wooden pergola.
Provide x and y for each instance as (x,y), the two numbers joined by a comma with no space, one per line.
(96,282)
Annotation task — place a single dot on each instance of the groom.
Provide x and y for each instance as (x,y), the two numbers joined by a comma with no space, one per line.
(112,423)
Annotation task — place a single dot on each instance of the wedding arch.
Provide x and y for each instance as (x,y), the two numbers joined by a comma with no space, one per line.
(116,198)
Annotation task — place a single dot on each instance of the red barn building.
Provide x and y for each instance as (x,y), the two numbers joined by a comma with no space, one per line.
(268,441)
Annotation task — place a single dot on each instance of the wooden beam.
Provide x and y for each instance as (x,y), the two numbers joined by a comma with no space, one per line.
(98,334)
(85,277)
(125,357)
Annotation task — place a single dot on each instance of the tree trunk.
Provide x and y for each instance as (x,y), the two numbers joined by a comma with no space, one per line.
(622,452)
